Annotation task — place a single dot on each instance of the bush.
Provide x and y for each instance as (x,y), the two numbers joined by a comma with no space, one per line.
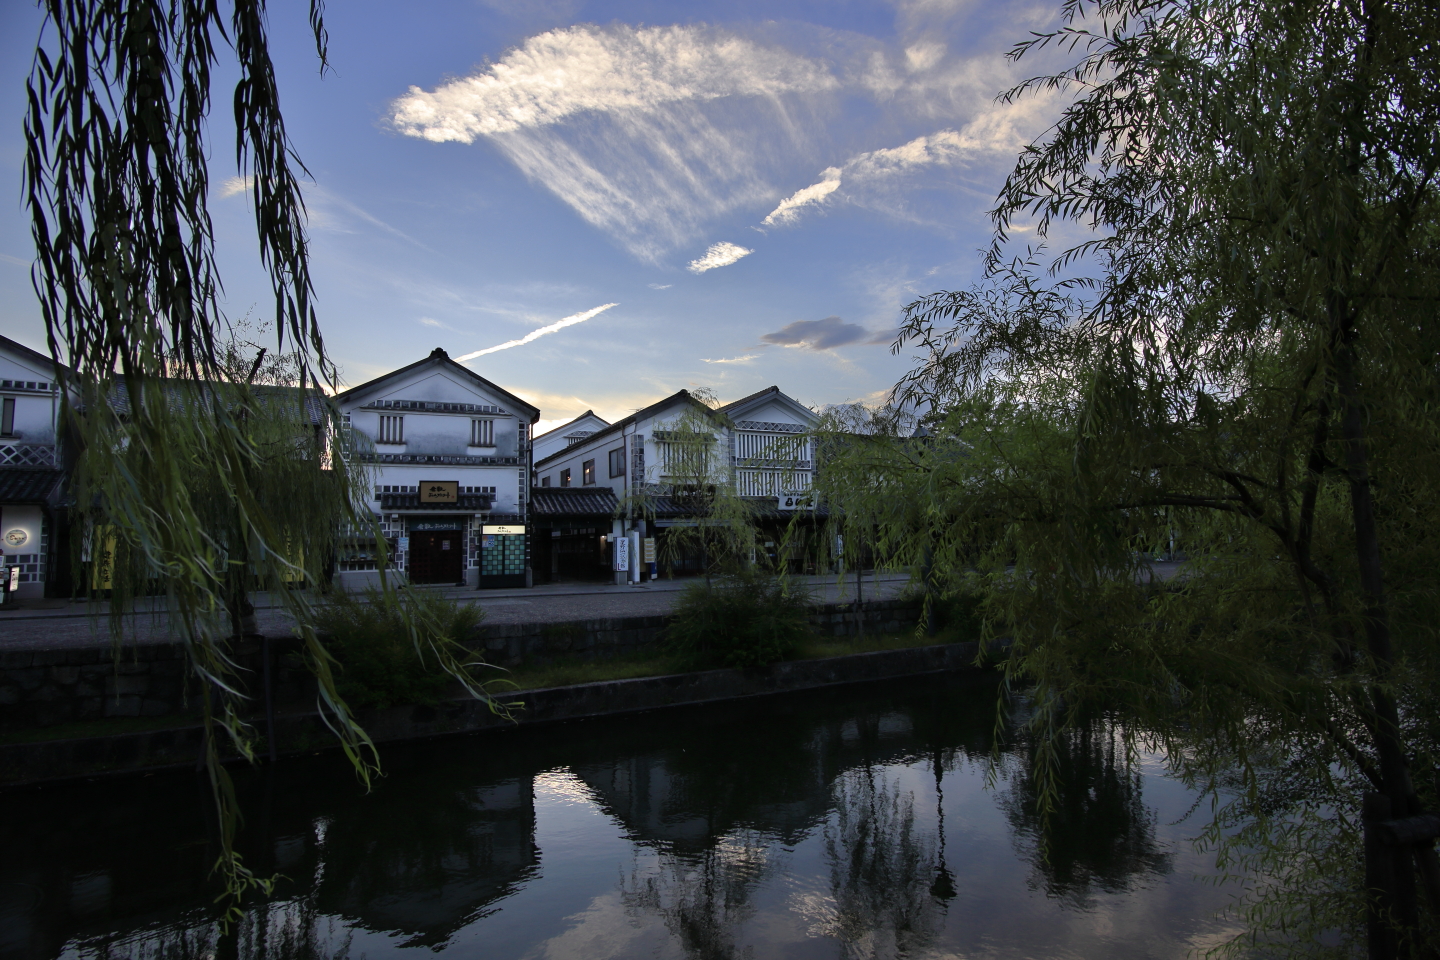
(741,620)
(379,663)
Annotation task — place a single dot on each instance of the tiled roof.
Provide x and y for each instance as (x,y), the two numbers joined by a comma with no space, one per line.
(572,502)
(468,503)
(27,486)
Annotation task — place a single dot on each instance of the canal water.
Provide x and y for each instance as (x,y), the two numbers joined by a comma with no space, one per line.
(872,821)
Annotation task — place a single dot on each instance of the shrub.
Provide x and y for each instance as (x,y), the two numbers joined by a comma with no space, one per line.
(380,665)
(739,620)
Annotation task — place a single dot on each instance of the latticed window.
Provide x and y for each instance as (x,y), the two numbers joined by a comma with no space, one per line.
(392,429)
(771,483)
(482,433)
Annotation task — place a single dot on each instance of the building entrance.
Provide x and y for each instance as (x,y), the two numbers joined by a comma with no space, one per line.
(436,556)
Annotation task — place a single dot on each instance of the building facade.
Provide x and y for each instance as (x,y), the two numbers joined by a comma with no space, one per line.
(764,443)
(553,441)
(450,454)
(30,467)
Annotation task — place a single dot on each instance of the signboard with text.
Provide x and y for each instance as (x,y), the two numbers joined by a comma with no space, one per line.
(622,553)
(440,491)
(804,501)
(508,530)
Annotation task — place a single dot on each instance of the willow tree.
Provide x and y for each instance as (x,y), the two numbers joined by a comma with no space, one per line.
(200,483)
(1239,355)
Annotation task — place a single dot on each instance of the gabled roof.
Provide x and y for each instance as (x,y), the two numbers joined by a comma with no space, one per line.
(735,407)
(180,393)
(587,413)
(34,356)
(442,359)
(681,396)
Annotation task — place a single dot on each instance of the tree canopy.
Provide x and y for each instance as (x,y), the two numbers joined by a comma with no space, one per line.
(1237,359)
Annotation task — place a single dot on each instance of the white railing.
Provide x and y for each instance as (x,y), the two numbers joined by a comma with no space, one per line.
(27,454)
(771,483)
(771,446)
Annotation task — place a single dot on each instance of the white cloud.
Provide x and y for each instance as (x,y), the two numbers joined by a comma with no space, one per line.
(6,258)
(720,254)
(233,185)
(661,286)
(569,321)
(745,359)
(789,209)
(587,69)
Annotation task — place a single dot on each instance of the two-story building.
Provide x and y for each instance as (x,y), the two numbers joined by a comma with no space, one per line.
(450,453)
(30,467)
(763,446)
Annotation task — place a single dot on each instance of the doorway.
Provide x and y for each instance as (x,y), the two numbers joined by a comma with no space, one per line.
(437,556)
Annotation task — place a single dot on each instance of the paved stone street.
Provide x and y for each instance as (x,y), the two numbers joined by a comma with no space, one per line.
(63,624)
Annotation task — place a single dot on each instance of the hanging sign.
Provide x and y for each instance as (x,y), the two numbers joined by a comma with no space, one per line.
(440,491)
(622,553)
(511,530)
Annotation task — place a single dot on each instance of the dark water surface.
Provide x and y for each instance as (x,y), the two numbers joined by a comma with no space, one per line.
(859,822)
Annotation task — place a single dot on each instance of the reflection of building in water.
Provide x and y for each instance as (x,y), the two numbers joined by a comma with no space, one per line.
(432,868)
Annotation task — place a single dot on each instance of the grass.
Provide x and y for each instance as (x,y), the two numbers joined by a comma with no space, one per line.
(104,727)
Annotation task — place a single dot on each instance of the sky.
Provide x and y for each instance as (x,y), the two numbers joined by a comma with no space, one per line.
(597,204)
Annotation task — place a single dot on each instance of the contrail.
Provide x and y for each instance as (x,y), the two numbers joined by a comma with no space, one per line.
(569,321)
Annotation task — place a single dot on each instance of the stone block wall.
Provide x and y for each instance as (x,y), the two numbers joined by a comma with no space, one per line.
(40,688)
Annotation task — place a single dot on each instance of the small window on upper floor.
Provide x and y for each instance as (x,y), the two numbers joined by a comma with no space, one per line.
(482,433)
(617,462)
(587,470)
(565,477)
(392,430)
(544,481)
(7,418)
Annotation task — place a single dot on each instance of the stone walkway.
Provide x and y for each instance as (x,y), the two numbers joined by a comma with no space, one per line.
(63,624)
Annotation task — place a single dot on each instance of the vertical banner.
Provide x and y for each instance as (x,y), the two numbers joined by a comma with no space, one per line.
(622,554)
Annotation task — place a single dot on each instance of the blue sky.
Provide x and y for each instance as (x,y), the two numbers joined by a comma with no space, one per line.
(758,188)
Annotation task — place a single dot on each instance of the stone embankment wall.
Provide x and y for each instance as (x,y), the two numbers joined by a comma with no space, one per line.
(45,687)
(22,763)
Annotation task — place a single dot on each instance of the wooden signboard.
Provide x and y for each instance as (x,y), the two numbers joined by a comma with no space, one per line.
(440,491)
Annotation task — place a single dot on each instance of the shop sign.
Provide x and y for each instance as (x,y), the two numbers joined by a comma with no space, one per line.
(440,491)
(510,530)
(802,502)
(622,553)
(649,550)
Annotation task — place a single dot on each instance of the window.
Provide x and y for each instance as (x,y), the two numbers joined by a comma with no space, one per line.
(565,477)
(544,481)
(392,430)
(617,462)
(482,433)
(7,418)
(587,469)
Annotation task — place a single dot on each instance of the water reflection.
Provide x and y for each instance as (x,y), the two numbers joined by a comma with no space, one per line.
(1098,835)
(818,819)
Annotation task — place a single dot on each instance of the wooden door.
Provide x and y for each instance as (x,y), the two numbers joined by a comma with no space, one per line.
(436,556)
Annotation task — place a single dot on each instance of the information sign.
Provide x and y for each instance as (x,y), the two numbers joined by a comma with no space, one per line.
(649,547)
(440,491)
(511,530)
(622,553)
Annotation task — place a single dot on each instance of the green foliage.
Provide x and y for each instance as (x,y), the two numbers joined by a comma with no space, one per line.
(742,619)
(380,663)
(1240,358)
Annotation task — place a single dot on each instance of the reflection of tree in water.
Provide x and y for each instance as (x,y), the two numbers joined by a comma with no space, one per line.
(1099,835)
(291,930)
(703,898)
(885,877)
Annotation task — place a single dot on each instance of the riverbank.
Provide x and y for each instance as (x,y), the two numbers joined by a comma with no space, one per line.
(173,747)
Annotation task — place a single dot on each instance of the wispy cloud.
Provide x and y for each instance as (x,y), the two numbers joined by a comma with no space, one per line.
(789,209)
(745,359)
(826,334)
(233,185)
(661,286)
(648,133)
(6,258)
(569,321)
(720,254)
